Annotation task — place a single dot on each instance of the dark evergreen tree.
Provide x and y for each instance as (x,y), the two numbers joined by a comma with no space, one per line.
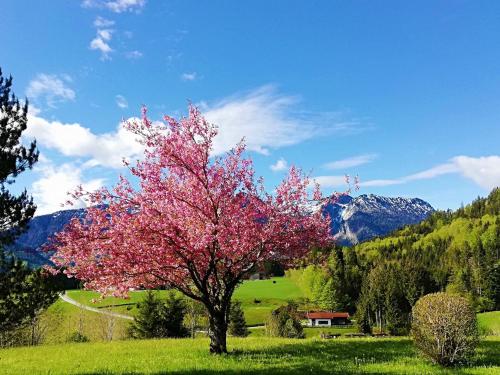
(493,292)
(15,211)
(237,323)
(363,317)
(24,293)
(172,313)
(157,318)
(147,321)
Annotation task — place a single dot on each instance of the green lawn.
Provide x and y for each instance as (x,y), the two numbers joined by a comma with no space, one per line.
(258,298)
(489,323)
(63,319)
(248,356)
(309,332)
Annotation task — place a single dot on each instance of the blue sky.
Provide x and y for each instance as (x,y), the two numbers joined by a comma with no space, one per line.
(404,94)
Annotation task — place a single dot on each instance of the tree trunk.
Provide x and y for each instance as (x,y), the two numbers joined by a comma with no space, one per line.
(217,332)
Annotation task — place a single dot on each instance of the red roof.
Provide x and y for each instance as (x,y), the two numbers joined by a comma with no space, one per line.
(326,315)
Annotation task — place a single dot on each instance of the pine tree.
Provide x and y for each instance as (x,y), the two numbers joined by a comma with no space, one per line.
(24,293)
(327,298)
(363,316)
(157,318)
(15,211)
(237,323)
(146,322)
(172,313)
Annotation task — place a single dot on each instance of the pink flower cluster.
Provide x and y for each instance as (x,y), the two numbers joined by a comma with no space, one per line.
(194,222)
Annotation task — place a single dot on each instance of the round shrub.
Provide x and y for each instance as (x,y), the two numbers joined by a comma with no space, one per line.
(77,337)
(285,322)
(444,328)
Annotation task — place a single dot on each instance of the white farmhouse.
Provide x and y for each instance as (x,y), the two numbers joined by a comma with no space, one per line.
(327,319)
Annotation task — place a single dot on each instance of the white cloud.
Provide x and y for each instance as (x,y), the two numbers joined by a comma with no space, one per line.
(330,181)
(436,171)
(133,55)
(51,190)
(484,171)
(351,162)
(104,34)
(189,76)
(102,38)
(117,6)
(280,165)
(267,119)
(51,87)
(121,101)
(381,182)
(75,140)
(101,22)
(99,44)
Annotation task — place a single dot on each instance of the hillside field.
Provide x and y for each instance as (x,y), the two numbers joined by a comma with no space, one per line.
(258,298)
(62,319)
(247,356)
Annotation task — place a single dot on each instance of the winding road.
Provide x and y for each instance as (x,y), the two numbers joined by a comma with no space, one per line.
(66,298)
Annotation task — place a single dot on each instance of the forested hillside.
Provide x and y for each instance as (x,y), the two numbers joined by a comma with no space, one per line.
(381,279)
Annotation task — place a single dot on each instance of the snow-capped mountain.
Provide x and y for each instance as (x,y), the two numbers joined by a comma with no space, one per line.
(364,217)
(354,220)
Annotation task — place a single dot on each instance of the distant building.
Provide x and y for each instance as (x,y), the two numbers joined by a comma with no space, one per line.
(257,276)
(327,319)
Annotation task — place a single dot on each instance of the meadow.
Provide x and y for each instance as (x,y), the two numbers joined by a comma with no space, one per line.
(247,356)
(252,355)
(489,323)
(258,298)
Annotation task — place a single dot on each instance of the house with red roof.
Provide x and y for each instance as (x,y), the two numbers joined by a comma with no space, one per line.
(327,319)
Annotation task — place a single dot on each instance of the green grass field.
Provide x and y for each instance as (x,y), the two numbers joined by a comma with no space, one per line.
(258,298)
(248,356)
(309,332)
(254,354)
(63,319)
(489,323)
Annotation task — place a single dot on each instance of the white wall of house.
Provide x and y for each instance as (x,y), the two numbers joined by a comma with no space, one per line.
(320,323)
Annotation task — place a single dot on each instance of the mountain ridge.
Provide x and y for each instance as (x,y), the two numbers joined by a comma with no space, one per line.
(354,220)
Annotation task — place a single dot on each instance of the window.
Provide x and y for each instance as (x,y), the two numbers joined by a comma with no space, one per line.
(321,322)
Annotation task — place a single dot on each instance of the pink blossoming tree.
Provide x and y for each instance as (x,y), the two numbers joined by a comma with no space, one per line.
(196,222)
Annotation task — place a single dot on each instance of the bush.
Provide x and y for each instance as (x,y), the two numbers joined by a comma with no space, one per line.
(237,323)
(77,337)
(444,328)
(285,322)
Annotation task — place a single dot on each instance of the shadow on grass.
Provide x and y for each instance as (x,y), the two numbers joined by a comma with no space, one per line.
(488,354)
(332,357)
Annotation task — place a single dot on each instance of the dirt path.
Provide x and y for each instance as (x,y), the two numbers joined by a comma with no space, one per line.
(66,298)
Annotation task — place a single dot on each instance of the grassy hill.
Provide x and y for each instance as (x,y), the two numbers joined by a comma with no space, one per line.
(62,319)
(258,298)
(248,356)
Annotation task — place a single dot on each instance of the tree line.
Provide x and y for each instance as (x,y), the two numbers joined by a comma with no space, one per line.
(381,279)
